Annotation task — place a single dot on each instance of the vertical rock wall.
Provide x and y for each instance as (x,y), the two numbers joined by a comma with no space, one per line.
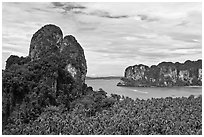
(164,74)
(49,41)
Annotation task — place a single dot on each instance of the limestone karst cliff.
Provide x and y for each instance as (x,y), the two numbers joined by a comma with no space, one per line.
(165,74)
(49,41)
(52,74)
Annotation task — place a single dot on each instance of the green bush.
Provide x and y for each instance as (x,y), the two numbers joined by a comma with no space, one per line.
(156,116)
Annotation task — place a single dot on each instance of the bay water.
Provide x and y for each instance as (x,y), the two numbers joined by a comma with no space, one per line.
(143,92)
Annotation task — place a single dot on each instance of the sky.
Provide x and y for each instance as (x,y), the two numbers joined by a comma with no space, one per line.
(113,35)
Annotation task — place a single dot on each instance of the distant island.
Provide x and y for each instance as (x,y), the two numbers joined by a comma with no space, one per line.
(165,74)
(106,78)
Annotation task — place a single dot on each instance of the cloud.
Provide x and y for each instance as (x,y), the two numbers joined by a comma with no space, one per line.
(143,17)
(113,35)
(58,4)
(106,14)
(183,23)
(195,38)
(69,6)
(79,9)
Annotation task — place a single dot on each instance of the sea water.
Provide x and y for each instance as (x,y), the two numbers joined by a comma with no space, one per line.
(143,92)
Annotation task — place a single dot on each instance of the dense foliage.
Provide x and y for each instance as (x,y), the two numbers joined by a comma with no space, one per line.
(31,105)
(97,114)
(29,86)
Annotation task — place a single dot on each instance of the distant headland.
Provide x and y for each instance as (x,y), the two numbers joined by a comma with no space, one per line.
(165,74)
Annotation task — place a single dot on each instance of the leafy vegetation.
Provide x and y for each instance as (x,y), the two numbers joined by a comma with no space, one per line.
(29,87)
(97,114)
(33,104)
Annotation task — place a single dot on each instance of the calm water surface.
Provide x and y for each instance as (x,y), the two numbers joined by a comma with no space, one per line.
(143,92)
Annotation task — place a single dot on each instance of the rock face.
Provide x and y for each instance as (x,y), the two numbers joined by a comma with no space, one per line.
(46,40)
(49,40)
(165,74)
(136,72)
(75,62)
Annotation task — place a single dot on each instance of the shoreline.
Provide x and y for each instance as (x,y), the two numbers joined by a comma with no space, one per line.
(124,85)
(193,86)
(159,86)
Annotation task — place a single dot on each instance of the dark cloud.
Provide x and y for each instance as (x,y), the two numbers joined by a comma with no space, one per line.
(116,17)
(77,8)
(69,6)
(144,17)
(73,7)
(58,4)
(100,13)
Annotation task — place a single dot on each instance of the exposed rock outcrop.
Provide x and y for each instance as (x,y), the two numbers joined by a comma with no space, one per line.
(49,40)
(75,62)
(45,41)
(165,74)
(53,74)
